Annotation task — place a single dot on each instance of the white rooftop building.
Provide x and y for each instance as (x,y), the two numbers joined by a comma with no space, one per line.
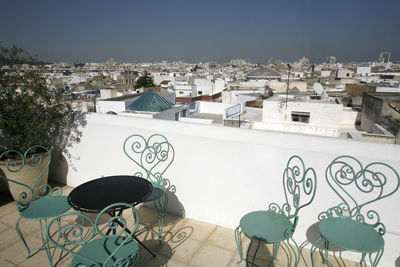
(326,117)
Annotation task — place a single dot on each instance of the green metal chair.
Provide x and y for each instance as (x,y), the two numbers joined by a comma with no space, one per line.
(88,241)
(350,225)
(153,156)
(35,202)
(278,223)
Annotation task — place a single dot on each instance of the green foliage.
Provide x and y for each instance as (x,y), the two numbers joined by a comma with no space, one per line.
(144,81)
(31,113)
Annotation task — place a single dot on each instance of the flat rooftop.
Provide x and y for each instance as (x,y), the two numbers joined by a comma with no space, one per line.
(386,96)
(291,98)
(216,118)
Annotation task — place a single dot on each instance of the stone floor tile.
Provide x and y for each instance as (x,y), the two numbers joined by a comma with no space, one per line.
(8,238)
(234,263)
(39,259)
(4,227)
(147,215)
(171,219)
(26,226)
(209,255)
(17,252)
(160,261)
(11,218)
(201,230)
(6,263)
(176,230)
(180,236)
(7,208)
(30,227)
(150,216)
(183,251)
(223,237)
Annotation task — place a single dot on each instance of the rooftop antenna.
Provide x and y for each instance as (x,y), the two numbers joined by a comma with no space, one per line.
(319,90)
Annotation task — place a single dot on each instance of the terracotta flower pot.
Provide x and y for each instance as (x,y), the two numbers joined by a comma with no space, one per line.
(27,175)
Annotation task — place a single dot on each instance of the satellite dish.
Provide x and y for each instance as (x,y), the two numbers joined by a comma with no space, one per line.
(318,89)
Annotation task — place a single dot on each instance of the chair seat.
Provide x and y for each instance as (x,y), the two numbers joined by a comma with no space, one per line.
(266,226)
(46,207)
(100,249)
(158,191)
(351,235)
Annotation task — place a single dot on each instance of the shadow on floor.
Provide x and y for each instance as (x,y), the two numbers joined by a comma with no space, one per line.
(174,205)
(313,235)
(166,250)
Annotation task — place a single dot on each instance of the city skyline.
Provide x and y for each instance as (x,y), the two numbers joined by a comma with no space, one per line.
(94,31)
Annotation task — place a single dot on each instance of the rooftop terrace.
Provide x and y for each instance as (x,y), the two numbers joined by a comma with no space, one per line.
(187,242)
(220,174)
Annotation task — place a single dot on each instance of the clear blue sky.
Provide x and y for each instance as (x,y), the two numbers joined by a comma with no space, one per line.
(193,31)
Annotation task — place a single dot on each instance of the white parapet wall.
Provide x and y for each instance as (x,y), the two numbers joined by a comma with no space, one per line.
(222,173)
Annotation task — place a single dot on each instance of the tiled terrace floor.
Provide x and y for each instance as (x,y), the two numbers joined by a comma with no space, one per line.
(187,242)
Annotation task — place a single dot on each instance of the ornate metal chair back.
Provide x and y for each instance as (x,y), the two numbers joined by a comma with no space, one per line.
(71,229)
(299,185)
(153,156)
(358,186)
(15,164)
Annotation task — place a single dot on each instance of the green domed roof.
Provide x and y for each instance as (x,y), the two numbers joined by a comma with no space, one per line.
(150,101)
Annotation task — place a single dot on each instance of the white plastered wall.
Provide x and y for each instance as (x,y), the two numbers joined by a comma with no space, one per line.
(222,173)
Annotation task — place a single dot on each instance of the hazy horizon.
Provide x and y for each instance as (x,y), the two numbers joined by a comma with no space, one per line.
(201,31)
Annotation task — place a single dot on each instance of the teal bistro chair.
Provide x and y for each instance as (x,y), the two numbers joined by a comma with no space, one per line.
(152,157)
(90,243)
(36,200)
(351,225)
(278,223)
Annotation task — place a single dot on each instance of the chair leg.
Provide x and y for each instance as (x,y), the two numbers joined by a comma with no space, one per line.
(326,254)
(254,255)
(22,237)
(362,261)
(239,244)
(275,249)
(296,251)
(45,241)
(374,261)
(45,244)
(161,207)
(314,247)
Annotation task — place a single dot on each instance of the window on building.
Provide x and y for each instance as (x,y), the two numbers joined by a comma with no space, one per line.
(200,92)
(181,92)
(303,117)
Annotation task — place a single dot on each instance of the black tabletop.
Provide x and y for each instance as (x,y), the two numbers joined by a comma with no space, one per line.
(95,195)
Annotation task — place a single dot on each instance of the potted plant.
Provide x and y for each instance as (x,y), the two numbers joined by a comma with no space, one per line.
(33,113)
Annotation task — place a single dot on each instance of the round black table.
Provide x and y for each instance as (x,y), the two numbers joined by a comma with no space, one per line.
(95,195)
